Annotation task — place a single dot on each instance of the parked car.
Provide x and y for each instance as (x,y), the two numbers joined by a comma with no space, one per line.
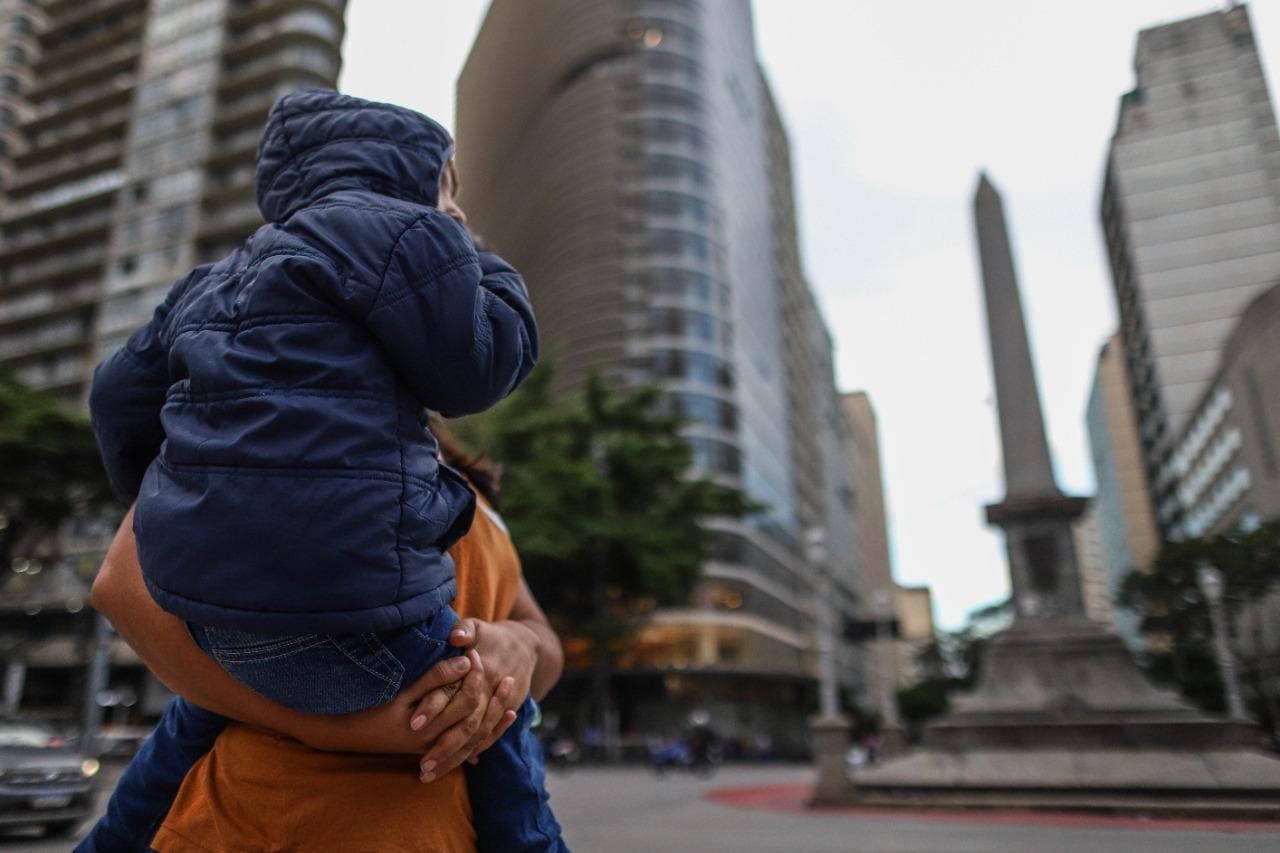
(44,782)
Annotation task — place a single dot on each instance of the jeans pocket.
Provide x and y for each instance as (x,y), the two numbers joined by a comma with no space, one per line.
(313,673)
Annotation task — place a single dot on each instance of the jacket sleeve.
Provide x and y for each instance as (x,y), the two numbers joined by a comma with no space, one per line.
(456,324)
(129,389)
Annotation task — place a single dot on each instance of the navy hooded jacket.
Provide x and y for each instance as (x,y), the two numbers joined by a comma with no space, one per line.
(268,419)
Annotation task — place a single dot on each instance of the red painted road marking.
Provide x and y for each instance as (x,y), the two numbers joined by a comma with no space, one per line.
(794,797)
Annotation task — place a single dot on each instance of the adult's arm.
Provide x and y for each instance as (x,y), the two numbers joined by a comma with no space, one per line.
(162,641)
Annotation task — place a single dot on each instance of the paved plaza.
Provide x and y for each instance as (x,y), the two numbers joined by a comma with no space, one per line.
(629,810)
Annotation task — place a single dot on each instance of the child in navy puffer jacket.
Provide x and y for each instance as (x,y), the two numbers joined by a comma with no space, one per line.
(268,421)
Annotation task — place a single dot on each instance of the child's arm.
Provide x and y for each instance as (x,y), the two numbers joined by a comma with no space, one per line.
(129,389)
(457,325)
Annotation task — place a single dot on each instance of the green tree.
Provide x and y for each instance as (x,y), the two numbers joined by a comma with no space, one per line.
(597,493)
(49,469)
(1175,615)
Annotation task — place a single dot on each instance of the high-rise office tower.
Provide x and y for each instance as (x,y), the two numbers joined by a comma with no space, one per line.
(1191,213)
(133,159)
(627,157)
(1122,510)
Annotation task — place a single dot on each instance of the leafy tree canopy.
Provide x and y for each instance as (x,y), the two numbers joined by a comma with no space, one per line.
(597,493)
(49,466)
(1174,612)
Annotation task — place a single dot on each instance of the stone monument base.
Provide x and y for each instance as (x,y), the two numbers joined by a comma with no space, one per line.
(1225,784)
(1063,719)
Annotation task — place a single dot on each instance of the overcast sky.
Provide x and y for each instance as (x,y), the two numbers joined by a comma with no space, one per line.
(892,109)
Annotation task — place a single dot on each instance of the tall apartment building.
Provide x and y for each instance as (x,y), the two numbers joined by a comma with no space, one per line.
(1191,214)
(1121,507)
(627,157)
(128,135)
(133,159)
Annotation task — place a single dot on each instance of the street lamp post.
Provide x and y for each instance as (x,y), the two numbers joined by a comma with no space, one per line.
(815,549)
(1211,584)
(830,728)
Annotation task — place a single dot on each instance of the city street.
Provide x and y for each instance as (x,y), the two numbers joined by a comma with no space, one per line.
(631,811)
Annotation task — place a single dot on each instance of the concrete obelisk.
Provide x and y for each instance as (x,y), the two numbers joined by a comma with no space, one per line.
(1035,516)
(1061,717)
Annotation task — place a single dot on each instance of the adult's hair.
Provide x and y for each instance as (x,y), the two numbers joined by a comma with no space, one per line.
(485,477)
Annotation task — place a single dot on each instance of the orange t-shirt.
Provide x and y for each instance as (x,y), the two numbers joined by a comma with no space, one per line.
(260,791)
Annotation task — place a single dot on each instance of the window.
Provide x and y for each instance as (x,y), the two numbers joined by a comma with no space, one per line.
(667,167)
(15,54)
(8,84)
(669,242)
(680,323)
(702,409)
(128,264)
(22,25)
(8,118)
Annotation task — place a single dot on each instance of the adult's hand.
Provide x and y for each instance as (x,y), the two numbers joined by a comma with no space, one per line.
(454,718)
(510,652)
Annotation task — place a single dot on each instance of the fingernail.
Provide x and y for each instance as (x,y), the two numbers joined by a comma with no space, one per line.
(462,664)
(459,633)
(417,722)
(427,777)
(428,767)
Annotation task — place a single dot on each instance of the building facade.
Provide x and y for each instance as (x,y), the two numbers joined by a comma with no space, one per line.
(1228,456)
(913,606)
(133,160)
(628,158)
(1122,510)
(1191,215)
(880,594)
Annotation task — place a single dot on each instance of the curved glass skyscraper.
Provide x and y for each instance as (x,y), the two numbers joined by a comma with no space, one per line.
(627,156)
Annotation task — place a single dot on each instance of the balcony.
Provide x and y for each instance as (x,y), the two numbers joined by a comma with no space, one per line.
(249,109)
(72,229)
(230,223)
(61,334)
(263,37)
(83,67)
(68,12)
(64,66)
(262,70)
(129,26)
(242,146)
(81,132)
(116,89)
(47,303)
(245,12)
(64,372)
(68,167)
(60,266)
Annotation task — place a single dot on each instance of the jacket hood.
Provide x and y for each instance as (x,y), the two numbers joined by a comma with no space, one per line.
(317,142)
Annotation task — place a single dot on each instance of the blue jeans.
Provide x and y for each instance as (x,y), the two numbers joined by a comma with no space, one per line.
(330,674)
